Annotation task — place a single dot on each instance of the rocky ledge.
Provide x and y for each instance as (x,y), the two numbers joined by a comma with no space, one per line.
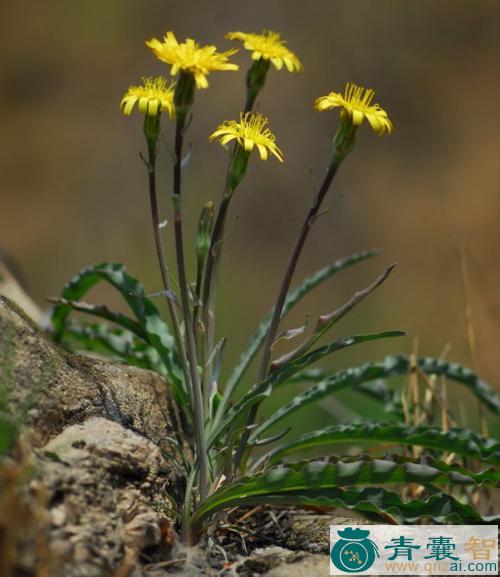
(90,488)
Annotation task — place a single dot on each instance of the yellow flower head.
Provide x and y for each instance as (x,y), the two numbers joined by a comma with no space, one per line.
(356,103)
(190,57)
(268,46)
(152,97)
(252,130)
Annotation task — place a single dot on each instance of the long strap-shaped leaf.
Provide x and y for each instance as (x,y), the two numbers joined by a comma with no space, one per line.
(307,359)
(132,290)
(377,390)
(119,344)
(460,441)
(264,389)
(293,298)
(391,366)
(318,483)
(103,312)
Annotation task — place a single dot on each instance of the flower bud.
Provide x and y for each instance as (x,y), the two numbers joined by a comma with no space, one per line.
(184,93)
(256,78)
(237,168)
(152,129)
(205,226)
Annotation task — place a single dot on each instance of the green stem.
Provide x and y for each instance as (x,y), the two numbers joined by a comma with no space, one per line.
(162,261)
(280,300)
(188,327)
(213,259)
(258,70)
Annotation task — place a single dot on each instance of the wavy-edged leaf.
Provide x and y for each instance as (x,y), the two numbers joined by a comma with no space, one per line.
(281,374)
(337,382)
(294,296)
(391,366)
(317,483)
(264,389)
(456,372)
(377,390)
(102,312)
(459,441)
(146,313)
(116,343)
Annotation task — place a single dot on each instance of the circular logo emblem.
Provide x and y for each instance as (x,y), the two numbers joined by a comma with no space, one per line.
(353,552)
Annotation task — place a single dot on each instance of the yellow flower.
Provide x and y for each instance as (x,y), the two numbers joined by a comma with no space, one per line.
(268,46)
(252,130)
(154,96)
(190,57)
(356,103)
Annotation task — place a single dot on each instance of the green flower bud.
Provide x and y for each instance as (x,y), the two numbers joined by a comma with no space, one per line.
(256,78)
(184,93)
(237,168)
(205,226)
(152,129)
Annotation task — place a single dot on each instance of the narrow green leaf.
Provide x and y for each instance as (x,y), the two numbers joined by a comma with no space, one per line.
(456,372)
(103,312)
(282,373)
(320,482)
(146,313)
(377,390)
(459,441)
(118,344)
(294,296)
(264,389)
(390,367)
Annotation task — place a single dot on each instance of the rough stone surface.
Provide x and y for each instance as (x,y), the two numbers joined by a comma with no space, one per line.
(92,494)
(66,389)
(106,497)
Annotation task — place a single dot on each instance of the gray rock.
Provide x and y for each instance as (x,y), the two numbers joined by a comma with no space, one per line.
(92,495)
(94,478)
(63,389)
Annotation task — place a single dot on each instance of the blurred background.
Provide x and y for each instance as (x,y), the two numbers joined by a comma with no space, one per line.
(73,189)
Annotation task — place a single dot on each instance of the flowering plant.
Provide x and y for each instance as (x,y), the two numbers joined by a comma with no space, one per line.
(221,445)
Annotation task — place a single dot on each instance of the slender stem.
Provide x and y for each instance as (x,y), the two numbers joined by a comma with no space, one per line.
(280,300)
(162,261)
(290,269)
(213,259)
(214,255)
(191,346)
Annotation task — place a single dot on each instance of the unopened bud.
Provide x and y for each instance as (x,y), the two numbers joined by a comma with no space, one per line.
(205,226)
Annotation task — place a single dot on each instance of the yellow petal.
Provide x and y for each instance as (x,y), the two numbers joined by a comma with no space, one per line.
(278,62)
(248,144)
(170,37)
(357,117)
(128,104)
(262,151)
(143,104)
(201,80)
(153,107)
